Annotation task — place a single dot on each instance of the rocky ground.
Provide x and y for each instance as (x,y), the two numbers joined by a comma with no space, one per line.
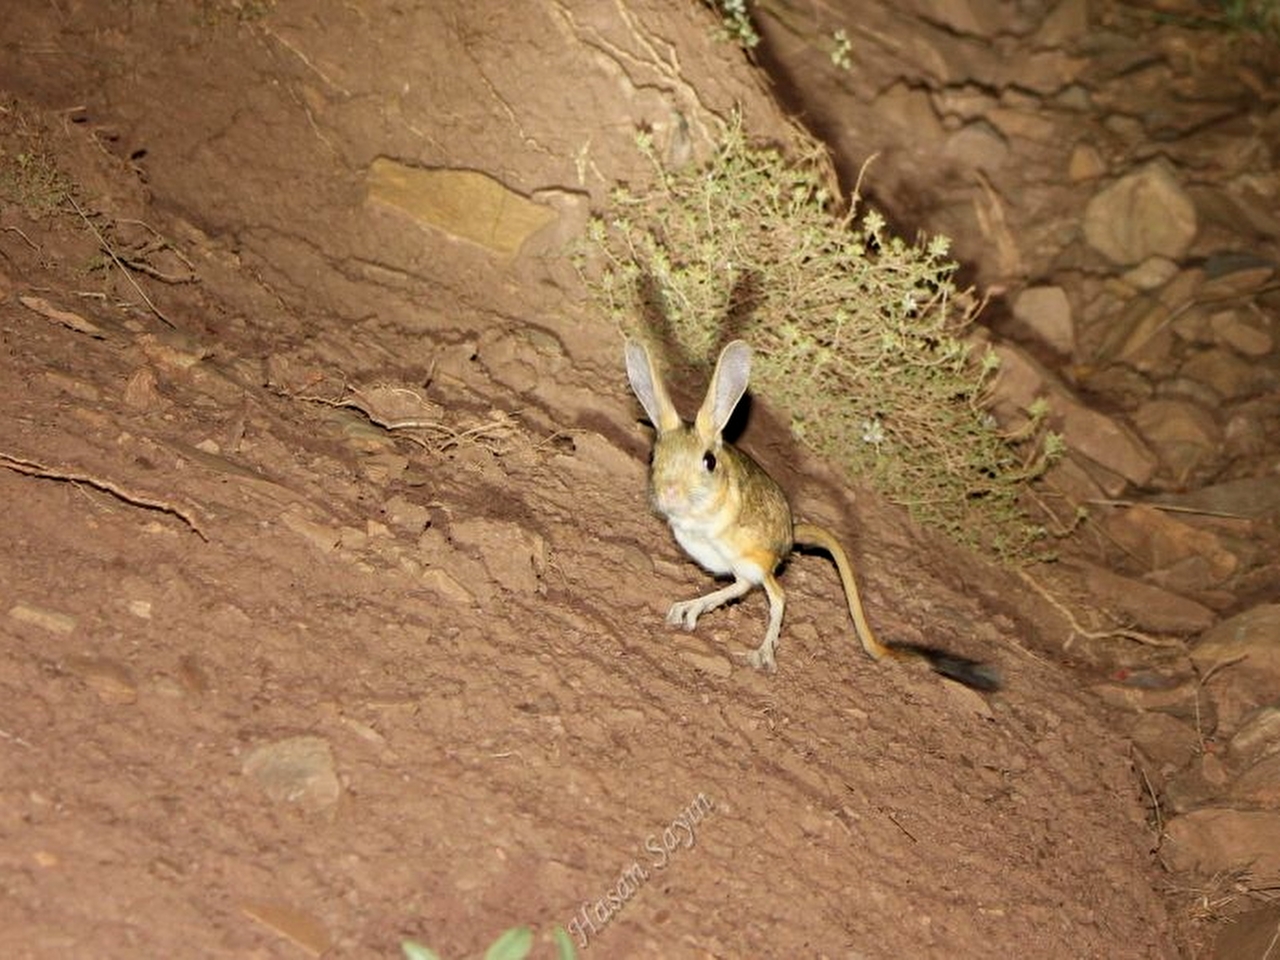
(332,610)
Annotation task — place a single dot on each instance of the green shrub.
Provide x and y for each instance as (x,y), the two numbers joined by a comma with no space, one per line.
(857,332)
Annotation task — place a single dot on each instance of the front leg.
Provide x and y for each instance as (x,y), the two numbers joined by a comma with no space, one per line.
(686,612)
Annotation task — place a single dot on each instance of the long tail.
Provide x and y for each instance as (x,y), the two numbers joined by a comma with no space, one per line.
(971,673)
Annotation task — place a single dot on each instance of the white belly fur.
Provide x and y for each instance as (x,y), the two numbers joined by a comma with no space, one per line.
(706,544)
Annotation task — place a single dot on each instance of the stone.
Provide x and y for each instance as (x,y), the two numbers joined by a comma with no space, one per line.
(1230,329)
(1105,441)
(1167,741)
(1151,274)
(1240,659)
(1085,163)
(464,204)
(1252,638)
(50,620)
(1046,312)
(1066,22)
(406,515)
(1025,124)
(514,557)
(444,585)
(1184,435)
(1233,274)
(298,770)
(1159,540)
(1138,335)
(912,110)
(1220,839)
(1144,606)
(110,679)
(1231,376)
(1258,735)
(1185,701)
(1143,214)
(977,146)
(1259,785)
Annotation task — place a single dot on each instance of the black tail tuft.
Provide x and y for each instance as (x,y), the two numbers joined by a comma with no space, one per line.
(972,673)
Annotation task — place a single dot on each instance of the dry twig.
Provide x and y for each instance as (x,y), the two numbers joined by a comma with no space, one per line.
(124,269)
(1117,632)
(33,469)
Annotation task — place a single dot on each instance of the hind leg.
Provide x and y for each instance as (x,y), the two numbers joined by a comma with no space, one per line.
(762,657)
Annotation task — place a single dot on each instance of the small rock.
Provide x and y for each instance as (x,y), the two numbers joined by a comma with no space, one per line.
(1189,789)
(1159,540)
(1253,635)
(465,204)
(1169,742)
(977,146)
(297,770)
(111,680)
(1230,330)
(1046,312)
(50,620)
(1146,607)
(404,514)
(1119,383)
(322,536)
(1236,274)
(513,556)
(1086,163)
(383,468)
(1258,736)
(1140,335)
(1186,701)
(140,392)
(73,386)
(1220,839)
(1184,435)
(911,110)
(1151,274)
(1260,784)
(173,349)
(1224,372)
(1021,380)
(1066,22)
(1027,122)
(1146,213)
(1243,656)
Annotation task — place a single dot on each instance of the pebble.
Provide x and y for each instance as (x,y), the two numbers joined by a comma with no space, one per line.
(299,770)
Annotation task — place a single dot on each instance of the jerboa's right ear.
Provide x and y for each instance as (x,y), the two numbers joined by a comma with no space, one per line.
(728,384)
(649,389)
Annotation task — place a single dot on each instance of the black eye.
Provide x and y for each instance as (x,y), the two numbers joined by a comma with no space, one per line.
(709,461)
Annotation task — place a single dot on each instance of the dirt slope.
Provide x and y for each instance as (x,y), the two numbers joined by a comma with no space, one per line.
(275,680)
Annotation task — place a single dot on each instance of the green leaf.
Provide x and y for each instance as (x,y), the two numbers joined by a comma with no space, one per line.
(564,944)
(514,944)
(416,951)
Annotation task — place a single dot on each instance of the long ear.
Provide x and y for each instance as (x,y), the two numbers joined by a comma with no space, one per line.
(649,389)
(728,384)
